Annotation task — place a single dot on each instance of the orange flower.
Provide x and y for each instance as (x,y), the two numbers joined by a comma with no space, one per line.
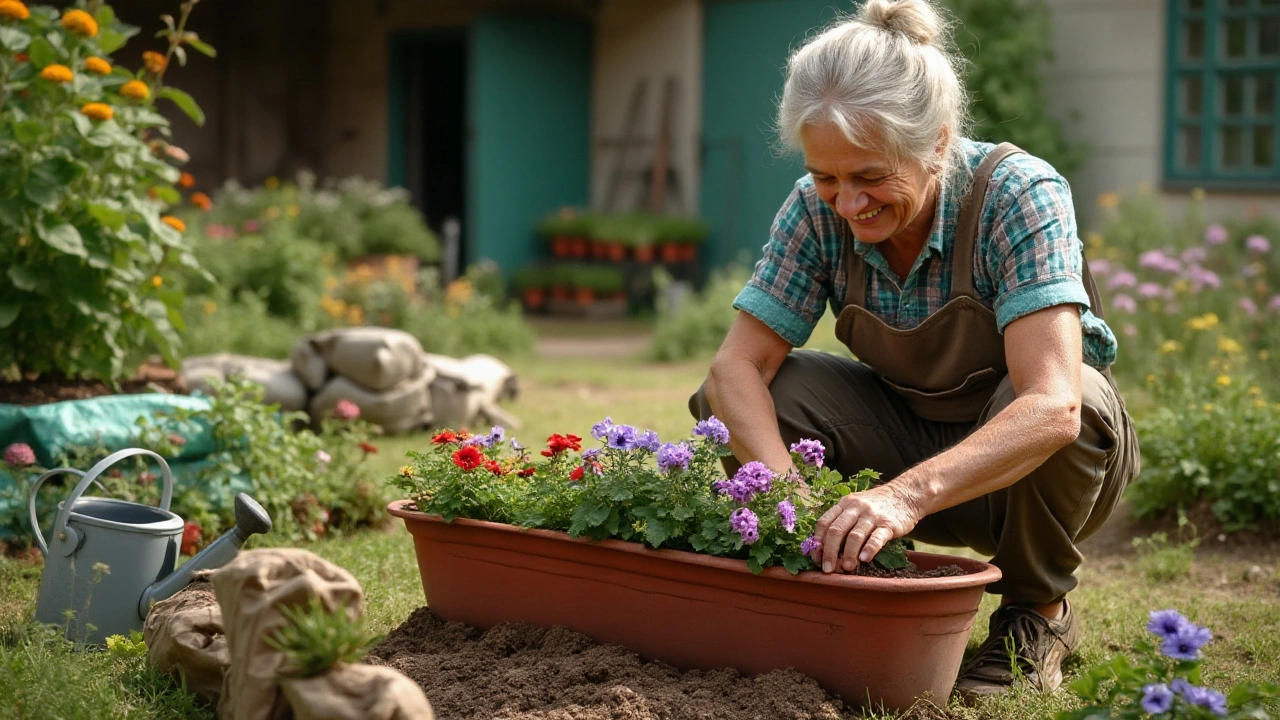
(14,10)
(57,74)
(80,23)
(97,66)
(156,281)
(174,223)
(186,180)
(98,111)
(135,89)
(155,62)
(201,200)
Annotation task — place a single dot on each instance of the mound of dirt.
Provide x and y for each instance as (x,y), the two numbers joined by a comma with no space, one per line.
(522,672)
(154,376)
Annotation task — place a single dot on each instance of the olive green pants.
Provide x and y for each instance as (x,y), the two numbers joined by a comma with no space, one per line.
(1031,528)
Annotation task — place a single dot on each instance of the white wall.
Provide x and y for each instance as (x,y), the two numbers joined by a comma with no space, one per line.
(653,40)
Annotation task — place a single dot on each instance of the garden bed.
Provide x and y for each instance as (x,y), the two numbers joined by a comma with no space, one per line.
(150,377)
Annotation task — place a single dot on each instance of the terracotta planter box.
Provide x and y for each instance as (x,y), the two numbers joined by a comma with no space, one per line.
(874,641)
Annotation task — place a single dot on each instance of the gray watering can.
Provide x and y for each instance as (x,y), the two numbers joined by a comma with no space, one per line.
(137,544)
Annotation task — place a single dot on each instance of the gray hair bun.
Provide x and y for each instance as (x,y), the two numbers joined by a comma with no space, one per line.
(914,19)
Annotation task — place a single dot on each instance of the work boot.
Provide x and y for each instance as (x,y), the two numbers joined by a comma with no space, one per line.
(1024,646)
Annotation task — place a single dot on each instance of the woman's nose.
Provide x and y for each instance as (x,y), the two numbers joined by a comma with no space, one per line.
(851,202)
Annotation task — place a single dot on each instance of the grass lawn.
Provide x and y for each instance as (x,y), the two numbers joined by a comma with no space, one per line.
(41,678)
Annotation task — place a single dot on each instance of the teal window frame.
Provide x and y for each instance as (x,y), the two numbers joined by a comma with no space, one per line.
(1223,93)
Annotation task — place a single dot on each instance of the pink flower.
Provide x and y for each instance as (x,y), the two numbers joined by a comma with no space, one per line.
(346,410)
(1124,303)
(1274,304)
(251,226)
(1194,255)
(1248,306)
(177,439)
(1099,266)
(1122,279)
(219,232)
(1130,330)
(1258,244)
(20,455)
(322,457)
(1150,290)
(1215,234)
(1201,277)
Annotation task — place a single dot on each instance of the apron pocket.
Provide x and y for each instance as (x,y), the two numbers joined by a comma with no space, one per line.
(963,403)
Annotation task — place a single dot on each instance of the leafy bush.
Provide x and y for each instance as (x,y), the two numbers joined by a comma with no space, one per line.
(83,193)
(699,324)
(287,272)
(215,324)
(456,320)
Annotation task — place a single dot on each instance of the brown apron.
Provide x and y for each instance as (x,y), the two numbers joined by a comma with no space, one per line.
(947,367)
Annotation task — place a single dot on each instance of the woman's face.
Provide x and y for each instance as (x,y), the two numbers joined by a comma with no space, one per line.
(877,199)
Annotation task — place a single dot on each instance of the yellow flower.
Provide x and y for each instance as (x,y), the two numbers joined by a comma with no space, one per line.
(271,183)
(1151,378)
(330,283)
(293,211)
(97,66)
(57,74)
(80,23)
(210,307)
(1181,287)
(1259,403)
(1254,390)
(154,62)
(1208,407)
(14,10)
(1094,242)
(135,89)
(459,291)
(1224,380)
(1229,346)
(406,471)
(156,281)
(355,315)
(98,111)
(174,223)
(1170,346)
(1108,200)
(1203,322)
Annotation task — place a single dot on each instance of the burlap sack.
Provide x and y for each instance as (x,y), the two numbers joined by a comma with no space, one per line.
(406,406)
(357,692)
(307,364)
(376,357)
(251,589)
(280,385)
(466,392)
(185,639)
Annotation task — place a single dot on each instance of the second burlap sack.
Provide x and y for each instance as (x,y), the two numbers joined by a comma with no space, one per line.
(375,357)
(357,692)
(185,639)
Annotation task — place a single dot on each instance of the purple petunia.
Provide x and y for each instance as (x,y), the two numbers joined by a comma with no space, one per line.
(1166,623)
(810,544)
(1215,701)
(601,429)
(809,450)
(1186,643)
(754,477)
(674,455)
(746,524)
(1180,686)
(788,513)
(621,437)
(712,428)
(649,441)
(1157,698)
(591,454)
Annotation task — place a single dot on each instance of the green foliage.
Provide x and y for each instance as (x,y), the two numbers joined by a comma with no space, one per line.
(84,186)
(456,320)
(127,647)
(285,270)
(316,639)
(1164,559)
(699,324)
(217,324)
(1007,44)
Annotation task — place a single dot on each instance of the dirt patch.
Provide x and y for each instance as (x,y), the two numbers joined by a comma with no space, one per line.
(910,571)
(518,671)
(151,377)
(1115,537)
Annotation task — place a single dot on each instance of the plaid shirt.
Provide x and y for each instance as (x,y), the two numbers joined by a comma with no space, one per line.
(1027,257)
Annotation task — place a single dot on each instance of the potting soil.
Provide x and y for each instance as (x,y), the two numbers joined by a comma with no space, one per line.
(518,671)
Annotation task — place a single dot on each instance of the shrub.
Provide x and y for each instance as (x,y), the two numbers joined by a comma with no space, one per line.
(699,324)
(85,181)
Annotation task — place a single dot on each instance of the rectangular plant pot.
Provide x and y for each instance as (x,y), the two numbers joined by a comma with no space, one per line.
(874,641)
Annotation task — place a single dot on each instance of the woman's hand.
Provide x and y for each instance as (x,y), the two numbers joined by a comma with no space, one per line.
(862,523)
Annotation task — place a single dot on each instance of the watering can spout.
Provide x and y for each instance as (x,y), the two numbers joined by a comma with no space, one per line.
(251,519)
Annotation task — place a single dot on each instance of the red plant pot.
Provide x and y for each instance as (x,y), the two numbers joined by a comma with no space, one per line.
(615,252)
(872,640)
(584,296)
(534,298)
(642,253)
(688,253)
(561,246)
(578,247)
(559,292)
(669,253)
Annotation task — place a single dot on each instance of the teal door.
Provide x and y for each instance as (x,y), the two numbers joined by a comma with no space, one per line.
(529,138)
(744,181)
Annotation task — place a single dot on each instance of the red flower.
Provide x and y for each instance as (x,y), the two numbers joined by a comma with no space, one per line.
(526,472)
(468,458)
(191,534)
(577,473)
(493,467)
(558,443)
(445,437)
(368,447)
(21,57)
(346,410)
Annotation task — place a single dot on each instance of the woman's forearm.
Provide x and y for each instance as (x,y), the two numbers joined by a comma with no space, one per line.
(739,396)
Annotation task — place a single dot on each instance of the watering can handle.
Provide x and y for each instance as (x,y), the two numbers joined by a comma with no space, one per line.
(60,525)
(31,502)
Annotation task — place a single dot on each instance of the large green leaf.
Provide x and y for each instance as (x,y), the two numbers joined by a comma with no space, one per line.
(13,39)
(108,213)
(29,131)
(22,277)
(42,192)
(64,237)
(892,556)
(60,171)
(42,52)
(185,103)
(8,313)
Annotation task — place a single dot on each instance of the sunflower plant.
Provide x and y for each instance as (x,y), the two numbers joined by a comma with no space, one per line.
(87,179)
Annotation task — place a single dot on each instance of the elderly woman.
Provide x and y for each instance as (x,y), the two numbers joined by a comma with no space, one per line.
(981,389)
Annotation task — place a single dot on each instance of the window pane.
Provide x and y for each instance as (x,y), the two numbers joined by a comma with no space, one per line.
(1189,146)
(1193,39)
(1264,98)
(1191,91)
(1232,146)
(1232,94)
(1263,146)
(1236,32)
(1269,36)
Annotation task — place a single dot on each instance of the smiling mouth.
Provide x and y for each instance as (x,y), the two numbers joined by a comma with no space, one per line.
(870,214)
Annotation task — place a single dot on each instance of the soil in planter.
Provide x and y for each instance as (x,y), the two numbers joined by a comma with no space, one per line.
(518,671)
(910,571)
(151,377)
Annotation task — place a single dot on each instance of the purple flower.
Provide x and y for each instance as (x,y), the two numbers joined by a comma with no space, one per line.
(1099,266)
(1201,277)
(481,440)
(1186,643)
(1158,260)
(674,455)
(497,433)
(19,455)
(1248,306)
(1258,244)
(746,524)
(788,513)
(1166,623)
(515,445)
(591,454)
(1204,697)
(1124,279)
(1157,698)
(1215,234)
(810,544)
(714,429)
(754,477)
(1274,304)
(1150,290)
(1125,303)
(600,429)
(809,450)
(649,441)
(621,437)
(1194,255)
(1180,686)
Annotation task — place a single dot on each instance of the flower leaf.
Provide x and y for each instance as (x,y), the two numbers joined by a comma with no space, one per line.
(185,102)
(892,556)
(13,39)
(64,237)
